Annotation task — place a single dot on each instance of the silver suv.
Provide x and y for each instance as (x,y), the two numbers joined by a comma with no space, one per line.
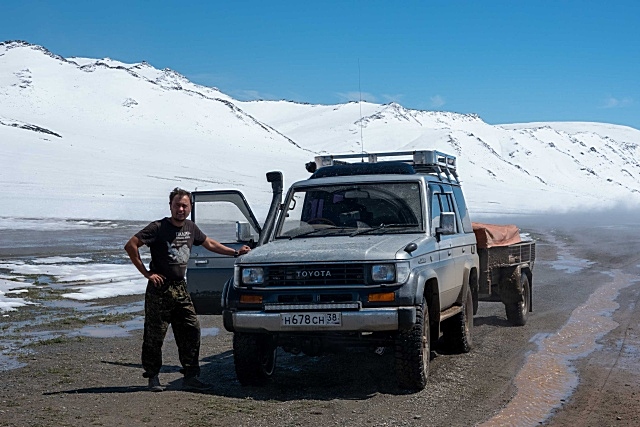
(369,253)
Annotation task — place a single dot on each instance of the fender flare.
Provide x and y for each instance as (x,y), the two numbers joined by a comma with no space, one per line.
(468,266)
(422,277)
(224,297)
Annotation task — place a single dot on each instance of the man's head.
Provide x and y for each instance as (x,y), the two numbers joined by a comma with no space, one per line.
(180,204)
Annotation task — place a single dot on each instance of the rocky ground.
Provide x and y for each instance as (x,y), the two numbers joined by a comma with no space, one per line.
(94,379)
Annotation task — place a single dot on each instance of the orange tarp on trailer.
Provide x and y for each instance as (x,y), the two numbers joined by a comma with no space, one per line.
(490,235)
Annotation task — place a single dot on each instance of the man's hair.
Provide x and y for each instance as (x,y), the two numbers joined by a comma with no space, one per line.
(179,192)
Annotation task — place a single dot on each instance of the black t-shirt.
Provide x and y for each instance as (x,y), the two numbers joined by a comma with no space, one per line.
(170,246)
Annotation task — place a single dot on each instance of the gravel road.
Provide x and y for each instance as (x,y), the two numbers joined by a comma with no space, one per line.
(576,362)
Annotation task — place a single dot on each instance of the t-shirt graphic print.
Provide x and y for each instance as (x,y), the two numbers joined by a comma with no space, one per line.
(170,246)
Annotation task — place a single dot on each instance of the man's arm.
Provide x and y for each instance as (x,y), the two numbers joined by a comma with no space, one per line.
(221,249)
(132,248)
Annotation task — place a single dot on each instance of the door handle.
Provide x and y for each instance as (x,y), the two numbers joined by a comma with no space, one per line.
(202,261)
(449,252)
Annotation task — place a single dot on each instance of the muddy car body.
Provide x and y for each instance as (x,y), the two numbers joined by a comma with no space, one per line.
(371,253)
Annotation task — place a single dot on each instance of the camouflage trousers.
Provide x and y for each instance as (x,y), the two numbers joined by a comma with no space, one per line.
(167,305)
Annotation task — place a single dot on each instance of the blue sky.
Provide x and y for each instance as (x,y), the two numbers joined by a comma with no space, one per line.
(507,61)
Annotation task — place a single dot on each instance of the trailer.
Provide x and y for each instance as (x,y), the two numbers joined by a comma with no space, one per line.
(506,269)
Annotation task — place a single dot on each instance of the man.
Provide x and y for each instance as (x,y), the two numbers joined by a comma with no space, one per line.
(167,300)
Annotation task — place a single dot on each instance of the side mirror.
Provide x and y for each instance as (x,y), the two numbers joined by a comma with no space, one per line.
(243,232)
(447,224)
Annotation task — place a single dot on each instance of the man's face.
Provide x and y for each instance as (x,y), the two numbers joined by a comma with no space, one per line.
(180,208)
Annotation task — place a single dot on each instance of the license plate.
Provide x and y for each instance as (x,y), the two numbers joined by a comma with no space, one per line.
(311,319)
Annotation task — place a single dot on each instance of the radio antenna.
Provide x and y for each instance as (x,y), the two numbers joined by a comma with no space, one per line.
(360,91)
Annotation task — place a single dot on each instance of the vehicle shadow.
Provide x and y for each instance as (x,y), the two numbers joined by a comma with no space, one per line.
(353,375)
(491,321)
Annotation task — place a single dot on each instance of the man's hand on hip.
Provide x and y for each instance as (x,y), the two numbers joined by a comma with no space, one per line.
(156,279)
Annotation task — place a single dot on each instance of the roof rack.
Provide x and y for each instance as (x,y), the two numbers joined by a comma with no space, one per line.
(423,161)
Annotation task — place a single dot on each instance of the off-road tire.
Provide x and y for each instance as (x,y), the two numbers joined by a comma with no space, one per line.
(457,330)
(517,312)
(254,356)
(413,351)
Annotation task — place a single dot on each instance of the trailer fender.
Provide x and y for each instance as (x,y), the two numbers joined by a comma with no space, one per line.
(527,270)
(509,285)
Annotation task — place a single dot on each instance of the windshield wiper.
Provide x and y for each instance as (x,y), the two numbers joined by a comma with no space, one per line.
(306,233)
(382,227)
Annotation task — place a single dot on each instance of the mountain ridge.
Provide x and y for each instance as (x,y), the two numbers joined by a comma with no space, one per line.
(132,128)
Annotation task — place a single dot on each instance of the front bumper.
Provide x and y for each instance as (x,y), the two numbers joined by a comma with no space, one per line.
(363,320)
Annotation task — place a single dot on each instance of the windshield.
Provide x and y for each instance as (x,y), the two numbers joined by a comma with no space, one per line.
(377,208)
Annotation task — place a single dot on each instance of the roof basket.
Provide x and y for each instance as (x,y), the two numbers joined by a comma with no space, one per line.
(423,161)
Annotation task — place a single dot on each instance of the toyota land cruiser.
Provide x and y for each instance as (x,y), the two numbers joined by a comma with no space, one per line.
(365,252)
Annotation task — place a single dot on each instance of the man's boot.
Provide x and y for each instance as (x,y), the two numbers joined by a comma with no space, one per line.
(154,384)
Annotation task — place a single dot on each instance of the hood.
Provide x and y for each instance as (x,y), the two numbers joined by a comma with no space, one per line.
(332,249)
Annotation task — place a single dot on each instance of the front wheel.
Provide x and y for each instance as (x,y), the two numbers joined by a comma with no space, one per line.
(413,351)
(254,356)
(517,312)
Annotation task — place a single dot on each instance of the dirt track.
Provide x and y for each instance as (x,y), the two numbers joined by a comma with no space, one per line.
(82,381)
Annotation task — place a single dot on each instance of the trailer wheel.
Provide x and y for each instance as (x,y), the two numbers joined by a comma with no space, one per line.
(254,356)
(517,312)
(457,329)
(413,351)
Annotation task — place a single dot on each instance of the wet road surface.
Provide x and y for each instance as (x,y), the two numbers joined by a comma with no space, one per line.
(582,336)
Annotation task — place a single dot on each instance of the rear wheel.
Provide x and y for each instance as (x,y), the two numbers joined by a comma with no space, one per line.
(517,312)
(254,356)
(458,329)
(413,351)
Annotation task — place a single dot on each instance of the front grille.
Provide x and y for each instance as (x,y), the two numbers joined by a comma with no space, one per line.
(354,305)
(315,275)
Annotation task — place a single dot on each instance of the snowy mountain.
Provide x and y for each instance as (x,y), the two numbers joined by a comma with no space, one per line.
(98,138)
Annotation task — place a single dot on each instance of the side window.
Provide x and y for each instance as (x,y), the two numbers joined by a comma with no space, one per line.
(462,209)
(441,202)
(445,203)
(447,206)
(435,211)
(217,219)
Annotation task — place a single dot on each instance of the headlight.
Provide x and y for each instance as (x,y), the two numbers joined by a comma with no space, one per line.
(390,273)
(252,276)
(383,273)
